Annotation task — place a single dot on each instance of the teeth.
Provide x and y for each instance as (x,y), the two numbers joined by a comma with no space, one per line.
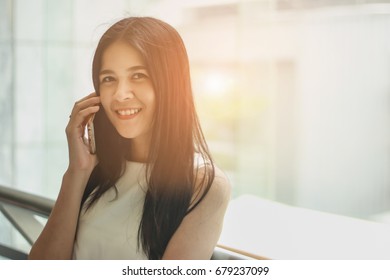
(128,112)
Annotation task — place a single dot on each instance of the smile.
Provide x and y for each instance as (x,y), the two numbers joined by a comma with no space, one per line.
(128,112)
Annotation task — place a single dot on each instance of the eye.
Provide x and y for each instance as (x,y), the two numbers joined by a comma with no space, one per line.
(107,79)
(139,75)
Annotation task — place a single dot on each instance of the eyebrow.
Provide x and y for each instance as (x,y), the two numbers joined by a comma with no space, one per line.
(130,69)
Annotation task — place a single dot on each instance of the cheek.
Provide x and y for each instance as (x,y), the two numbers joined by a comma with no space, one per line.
(151,105)
(150,99)
(152,102)
(105,102)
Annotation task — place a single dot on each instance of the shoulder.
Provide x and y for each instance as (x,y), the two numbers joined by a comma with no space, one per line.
(221,187)
(218,194)
(200,229)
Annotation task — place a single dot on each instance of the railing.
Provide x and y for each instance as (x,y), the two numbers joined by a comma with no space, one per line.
(21,210)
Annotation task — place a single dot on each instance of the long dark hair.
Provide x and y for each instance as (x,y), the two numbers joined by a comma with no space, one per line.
(174,184)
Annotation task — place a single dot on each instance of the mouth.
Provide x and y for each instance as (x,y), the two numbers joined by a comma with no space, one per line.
(128,113)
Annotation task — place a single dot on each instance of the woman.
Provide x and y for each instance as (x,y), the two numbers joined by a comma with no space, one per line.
(151,191)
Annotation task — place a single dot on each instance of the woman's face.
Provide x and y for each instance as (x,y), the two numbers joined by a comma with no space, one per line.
(126,91)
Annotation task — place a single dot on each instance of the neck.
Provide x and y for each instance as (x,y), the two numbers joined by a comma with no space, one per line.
(139,150)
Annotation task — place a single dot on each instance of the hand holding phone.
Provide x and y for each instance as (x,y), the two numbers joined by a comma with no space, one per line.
(91,135)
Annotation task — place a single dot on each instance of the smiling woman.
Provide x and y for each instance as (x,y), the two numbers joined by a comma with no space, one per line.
(151,191)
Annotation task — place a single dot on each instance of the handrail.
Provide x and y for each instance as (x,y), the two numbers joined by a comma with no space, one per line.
(11,253)
(40,205)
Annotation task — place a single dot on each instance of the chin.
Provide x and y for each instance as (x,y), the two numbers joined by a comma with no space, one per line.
(127,135)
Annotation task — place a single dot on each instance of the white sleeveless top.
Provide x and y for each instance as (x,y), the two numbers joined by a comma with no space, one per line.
(109,229)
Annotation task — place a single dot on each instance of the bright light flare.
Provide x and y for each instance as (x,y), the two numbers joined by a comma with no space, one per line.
(217,84)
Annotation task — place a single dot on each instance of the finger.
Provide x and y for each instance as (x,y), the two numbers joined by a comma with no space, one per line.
(83,115)
(93,94)
(87,102)
(81,105)
(89,96)
(79,120)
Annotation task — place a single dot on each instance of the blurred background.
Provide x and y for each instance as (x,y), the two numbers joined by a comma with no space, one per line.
(293,96)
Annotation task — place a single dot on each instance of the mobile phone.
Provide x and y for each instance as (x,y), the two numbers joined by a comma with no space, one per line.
(91,135)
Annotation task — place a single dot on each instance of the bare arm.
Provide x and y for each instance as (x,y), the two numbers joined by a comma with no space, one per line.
(199,231)
(57,238)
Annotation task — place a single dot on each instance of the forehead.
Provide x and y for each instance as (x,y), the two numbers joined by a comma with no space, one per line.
(121,54)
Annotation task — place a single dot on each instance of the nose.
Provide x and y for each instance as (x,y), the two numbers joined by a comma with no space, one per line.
(124,91)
